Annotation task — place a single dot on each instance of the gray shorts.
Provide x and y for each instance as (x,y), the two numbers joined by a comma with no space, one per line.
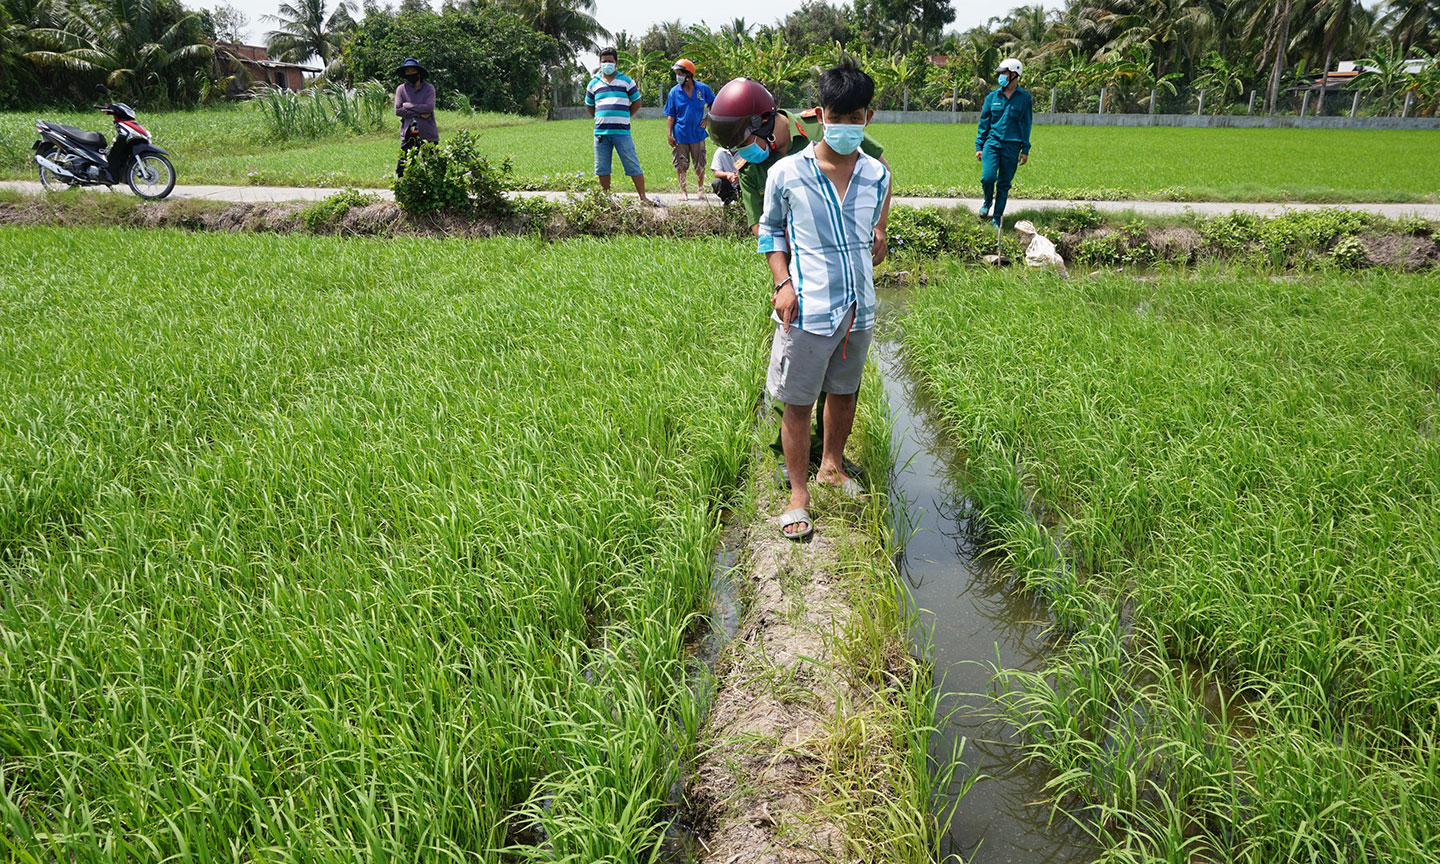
(804,364)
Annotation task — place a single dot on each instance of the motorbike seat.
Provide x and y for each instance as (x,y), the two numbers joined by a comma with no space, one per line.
(89,139)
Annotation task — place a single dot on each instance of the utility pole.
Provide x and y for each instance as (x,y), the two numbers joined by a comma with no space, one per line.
(1355,104)
(1251,110)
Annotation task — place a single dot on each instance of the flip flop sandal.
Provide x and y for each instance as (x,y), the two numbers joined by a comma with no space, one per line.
(795,517)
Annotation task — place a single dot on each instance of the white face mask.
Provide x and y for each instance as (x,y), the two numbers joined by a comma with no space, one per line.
(680,79)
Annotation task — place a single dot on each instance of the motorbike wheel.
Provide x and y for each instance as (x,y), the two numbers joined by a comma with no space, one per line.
(49,179)
(152,177)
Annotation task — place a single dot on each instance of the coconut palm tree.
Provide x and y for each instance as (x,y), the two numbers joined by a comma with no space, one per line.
(572,23)
(1175,30)
(131,46)
(1413,22)
(1332,20)
(304,31)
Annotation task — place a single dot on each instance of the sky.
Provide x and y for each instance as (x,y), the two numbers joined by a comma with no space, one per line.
(636,16)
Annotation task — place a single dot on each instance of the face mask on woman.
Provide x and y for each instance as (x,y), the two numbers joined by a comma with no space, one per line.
(756,151)
(607,68)
(843,138)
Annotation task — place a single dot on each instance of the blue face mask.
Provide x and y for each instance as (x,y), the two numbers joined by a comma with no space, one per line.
(754,152)
(1004,79)
(844,138)
(607,68)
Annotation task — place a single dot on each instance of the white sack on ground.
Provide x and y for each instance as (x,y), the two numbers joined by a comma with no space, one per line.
(1039,251)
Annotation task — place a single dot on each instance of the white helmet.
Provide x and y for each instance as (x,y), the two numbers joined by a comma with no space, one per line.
(1010,64)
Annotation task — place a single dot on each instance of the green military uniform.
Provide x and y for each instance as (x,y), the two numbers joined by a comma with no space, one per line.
(805,127)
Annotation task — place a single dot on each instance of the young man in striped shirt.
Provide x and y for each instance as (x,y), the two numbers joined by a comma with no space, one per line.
(822,208)
(612,99)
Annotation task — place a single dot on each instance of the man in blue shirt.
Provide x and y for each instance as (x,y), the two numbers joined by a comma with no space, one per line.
(685,118)
(1002,142)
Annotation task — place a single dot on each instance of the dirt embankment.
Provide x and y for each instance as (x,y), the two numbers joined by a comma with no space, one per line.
(802,749)
(584,215)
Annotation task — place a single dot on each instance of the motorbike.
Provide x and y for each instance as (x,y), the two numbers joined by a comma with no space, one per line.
(68,156)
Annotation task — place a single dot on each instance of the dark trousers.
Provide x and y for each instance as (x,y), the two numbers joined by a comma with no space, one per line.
(411,140)
(997,169)
(724,190)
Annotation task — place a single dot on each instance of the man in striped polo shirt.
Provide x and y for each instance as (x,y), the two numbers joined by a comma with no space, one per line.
(612,99)
(822,207)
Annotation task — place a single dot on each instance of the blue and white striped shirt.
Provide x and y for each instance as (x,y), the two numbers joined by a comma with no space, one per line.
(612,100)
(829,240)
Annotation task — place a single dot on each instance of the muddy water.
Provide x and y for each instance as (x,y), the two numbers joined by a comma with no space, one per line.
(973,623)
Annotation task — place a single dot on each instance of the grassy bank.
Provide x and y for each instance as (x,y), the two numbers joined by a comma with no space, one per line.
(375,550)
(1238,472)
(229,146)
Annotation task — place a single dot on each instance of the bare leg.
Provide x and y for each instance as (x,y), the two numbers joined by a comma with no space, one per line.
(684,193)
(605,183)
(795,435)
(839,418)
(640,187)
(699,181)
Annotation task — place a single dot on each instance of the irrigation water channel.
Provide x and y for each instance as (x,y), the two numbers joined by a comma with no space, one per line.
(969,619)
(972,623)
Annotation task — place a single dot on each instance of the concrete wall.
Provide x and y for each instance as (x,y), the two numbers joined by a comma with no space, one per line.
(1192,121)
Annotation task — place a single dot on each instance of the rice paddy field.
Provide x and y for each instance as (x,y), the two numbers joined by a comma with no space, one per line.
(1227,486)
(349,550)
(229,145)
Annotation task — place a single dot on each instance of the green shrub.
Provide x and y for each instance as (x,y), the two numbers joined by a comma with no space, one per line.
(1127,245)
(1417,226)
(1350,253)
(930,232)
(325,215)
(1077,218)
(453,177)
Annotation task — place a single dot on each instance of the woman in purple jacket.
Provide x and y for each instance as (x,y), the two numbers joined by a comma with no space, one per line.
(415,106)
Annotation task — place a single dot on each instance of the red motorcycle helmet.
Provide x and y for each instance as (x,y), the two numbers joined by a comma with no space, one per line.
(742,108)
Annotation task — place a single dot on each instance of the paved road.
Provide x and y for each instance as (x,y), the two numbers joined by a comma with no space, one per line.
(1147,208)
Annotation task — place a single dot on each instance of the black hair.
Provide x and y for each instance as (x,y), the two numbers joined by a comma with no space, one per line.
(607,51)
(845,88)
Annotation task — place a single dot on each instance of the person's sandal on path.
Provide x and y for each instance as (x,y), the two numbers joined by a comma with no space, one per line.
(827,261)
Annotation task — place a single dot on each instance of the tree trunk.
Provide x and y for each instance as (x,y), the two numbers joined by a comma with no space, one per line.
(1200,108)
(1355,104)
(1324,83)
(955,96)
(1304,103)
(1153,95)
(1251,110)
(1276,43)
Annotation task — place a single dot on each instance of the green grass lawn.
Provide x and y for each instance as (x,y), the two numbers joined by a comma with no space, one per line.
(227,145)
(1246,471)
(350,550)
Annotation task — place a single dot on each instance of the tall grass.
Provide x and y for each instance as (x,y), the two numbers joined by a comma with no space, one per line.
(326,110)
(1246,477)
(355,551)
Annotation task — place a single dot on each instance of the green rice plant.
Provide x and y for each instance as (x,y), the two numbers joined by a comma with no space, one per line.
(346,550)
(1243,475)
